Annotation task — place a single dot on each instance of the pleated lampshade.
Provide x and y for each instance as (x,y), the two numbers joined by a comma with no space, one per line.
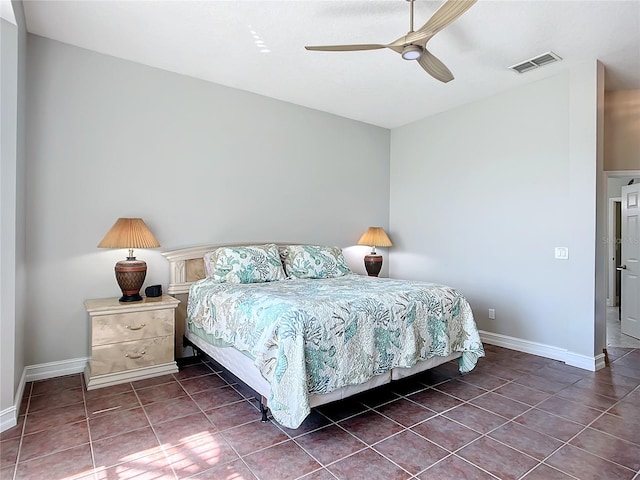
(130,273)
(374,237)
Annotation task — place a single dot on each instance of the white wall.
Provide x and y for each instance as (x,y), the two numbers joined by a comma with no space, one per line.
(482,194)
(201,163)
(12,210)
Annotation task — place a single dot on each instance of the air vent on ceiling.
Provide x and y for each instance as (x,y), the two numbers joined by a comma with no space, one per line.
(539,61)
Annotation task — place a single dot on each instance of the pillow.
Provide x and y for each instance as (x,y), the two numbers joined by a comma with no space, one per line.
(314,261)
(246,264)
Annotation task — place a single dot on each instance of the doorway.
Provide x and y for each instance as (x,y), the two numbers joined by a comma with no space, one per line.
(614,335)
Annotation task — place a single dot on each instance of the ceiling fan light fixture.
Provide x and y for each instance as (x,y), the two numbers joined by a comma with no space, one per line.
(411,52)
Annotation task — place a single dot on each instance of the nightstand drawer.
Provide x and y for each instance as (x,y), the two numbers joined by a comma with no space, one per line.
(117,357)
(124,327)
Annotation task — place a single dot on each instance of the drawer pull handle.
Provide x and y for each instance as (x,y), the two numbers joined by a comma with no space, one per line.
(136,328)
(135,355)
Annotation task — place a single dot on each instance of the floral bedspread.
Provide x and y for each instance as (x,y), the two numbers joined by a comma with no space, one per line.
(317,335)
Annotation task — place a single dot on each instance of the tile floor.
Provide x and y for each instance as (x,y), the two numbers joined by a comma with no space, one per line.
(615,337)
(515,416)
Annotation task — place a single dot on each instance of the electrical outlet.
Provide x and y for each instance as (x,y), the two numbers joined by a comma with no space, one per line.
(492,314)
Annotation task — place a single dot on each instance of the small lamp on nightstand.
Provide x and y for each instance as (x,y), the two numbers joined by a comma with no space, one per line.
(374,237)
(130,273)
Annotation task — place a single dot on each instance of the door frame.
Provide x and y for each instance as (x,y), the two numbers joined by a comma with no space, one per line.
(612,298)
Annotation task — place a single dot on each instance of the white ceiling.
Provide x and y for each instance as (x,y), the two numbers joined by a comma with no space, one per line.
(258,46)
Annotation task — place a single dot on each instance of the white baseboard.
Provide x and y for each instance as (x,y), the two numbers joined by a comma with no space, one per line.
(8,418)
(547,351)
(43,371)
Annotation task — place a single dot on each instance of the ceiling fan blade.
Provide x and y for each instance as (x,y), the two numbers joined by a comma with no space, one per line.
(346,48)
(444,16)
(434,67)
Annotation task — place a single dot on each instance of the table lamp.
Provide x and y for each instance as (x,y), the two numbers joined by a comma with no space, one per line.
(374,237)
(130,273)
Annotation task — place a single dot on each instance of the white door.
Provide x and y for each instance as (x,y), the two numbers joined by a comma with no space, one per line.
(630,260)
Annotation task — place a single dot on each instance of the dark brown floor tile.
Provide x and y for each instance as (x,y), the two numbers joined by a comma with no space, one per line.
(168,410)
(151,382)
(184,429)
(313,421)
(191,371)
(461,390)
(500,371)
(6,473)
(549,424)
(117,422)
(91,395)
(246,391)
(55,417)
(253,436)
(483,380)
(626,409)
(526,440)
(586,397)
(159,393)
(14,432)
(205,382)
(570,410)
(498,459)
(586,466)
(151,467)
(367,464)
(112,403)
(435,400)
(625,370)
(342,409)
(612,386)
(406,386)
(541,383)
(376,397)
(625,428)
(54,385)
(446,433)
(500,405)
(268,465)
(68,464)
(200,454)
(235,470)
(370,427)
(54,440)
(411,451)
(233,415)
(405,412)
(608,447)
(552,372)
(9,452)
(454,468)
(125,447)
(545,472)
(330,444)
(322,474)
(56,399)
(475,418)
(436,376)
(522,394)
(216,397)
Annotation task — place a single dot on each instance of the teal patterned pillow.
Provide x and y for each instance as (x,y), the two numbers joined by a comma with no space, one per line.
(245,264)
(314,261)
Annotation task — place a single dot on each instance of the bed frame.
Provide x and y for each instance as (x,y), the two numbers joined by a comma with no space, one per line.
(186,265)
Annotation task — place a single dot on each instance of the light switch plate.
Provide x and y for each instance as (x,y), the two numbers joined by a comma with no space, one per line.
(562,253)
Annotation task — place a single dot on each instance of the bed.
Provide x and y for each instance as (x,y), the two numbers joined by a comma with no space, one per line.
(298,327)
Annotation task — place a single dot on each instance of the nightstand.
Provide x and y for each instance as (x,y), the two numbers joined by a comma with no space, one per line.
(130,341)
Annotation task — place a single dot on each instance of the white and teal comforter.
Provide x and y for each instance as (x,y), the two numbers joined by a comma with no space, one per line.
(317,335)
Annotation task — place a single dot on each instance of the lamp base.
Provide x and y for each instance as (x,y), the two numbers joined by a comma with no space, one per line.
(373,264)
(130,275)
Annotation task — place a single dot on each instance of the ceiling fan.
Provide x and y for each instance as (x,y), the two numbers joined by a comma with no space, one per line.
(413,45)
